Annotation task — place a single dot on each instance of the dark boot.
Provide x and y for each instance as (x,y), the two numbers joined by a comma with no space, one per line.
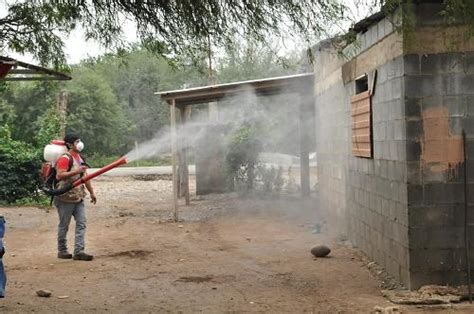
(83,257)
(64,255)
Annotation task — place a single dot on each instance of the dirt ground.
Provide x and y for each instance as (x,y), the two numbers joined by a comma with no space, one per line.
(227,254)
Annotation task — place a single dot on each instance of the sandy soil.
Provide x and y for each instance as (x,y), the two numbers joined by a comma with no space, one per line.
(227,254)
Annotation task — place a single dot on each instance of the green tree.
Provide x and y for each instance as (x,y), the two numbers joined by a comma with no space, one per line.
(95,113)
(23,103)
(38,27)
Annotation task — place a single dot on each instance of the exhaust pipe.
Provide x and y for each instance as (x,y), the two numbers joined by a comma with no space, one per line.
(70,186)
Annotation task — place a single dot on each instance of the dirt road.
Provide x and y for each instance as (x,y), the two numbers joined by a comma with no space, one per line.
(227,254)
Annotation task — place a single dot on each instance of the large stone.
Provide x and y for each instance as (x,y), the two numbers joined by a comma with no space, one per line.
(43,293)
(320,251)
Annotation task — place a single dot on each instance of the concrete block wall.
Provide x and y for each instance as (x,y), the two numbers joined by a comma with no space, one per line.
(368,195)
(405,207)
(439,101)
(377,187)
(332,135)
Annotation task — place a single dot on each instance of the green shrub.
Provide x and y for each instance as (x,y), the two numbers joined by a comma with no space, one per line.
(242,158)
(19,169)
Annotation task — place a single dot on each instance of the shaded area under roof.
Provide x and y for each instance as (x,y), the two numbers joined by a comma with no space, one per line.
(14,70)
(268,86)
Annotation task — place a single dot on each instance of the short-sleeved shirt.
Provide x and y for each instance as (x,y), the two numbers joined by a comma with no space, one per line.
(63,161)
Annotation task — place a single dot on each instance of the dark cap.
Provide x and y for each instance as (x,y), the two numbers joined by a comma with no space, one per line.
(70,138)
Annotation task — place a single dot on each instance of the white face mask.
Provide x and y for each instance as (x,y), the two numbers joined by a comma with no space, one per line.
(80,146)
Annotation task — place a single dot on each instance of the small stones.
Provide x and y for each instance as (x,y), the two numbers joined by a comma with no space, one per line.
(43,293)
(320,251)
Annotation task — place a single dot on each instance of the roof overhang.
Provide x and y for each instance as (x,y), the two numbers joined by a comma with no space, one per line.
(269,86)
(14,70)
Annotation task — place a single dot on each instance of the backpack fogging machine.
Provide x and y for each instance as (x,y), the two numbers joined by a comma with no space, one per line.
(51,154)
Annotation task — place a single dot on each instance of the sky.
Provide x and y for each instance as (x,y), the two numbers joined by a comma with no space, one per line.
(78,48)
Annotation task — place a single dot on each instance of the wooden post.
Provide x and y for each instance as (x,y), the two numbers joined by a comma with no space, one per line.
(174,153)
(62,111)
(185,116)
(304,145)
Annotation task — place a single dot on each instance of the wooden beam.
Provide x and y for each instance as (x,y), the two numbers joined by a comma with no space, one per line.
(174,156)
(185,116)
(36,78)
(305,128)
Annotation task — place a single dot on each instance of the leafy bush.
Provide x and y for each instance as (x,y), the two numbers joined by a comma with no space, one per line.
(242,158)
(271,178)
(19,169)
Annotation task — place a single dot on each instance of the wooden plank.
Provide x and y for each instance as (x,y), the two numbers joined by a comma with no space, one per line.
(364,124)
(363,138)
(174,156)
(360,96)
(185,116)
(361,124)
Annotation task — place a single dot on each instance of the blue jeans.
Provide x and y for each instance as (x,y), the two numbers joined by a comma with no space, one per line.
(3,276)
(65,212)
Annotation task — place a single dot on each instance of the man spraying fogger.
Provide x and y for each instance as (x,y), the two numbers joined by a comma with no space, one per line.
(70,167)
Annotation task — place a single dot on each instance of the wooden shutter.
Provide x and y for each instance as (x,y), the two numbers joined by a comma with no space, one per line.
(362,125)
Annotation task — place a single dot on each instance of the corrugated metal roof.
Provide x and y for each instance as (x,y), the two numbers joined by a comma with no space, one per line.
(267,86)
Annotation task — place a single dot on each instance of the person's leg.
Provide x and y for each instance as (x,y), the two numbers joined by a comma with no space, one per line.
(80,217)
(65,211)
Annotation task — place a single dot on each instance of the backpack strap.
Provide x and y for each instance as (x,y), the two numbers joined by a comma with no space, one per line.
(69,167)
(71,161)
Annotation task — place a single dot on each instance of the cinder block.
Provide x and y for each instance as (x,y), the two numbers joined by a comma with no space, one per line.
(436,237)
(456,105)
(393,150)
(413,108)
(413,150)
(459,217)
(431,102)
(372,35)
(424,85)
(442,193)
(412,64)
(430,65)
(430,216)
(469,103)
(414,130)
(380,30)
(452,62)
(395,191)
(398,64)
(402,209)
(413,172)
(468,126)
(457,84)
(388,26)
(431,260)
(402,150)
(415,194)
(469,62)
(403,194)
(434,64)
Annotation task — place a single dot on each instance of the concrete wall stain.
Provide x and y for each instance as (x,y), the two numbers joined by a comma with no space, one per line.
(441,151)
